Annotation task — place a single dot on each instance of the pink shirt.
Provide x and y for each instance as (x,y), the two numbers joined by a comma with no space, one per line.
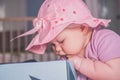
(104,46)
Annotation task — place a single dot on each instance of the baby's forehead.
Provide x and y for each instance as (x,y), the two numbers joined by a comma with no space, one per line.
(73,25)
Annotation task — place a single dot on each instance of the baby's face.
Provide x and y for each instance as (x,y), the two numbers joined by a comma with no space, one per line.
(69,42)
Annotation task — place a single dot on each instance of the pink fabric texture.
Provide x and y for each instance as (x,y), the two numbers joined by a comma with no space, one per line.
(56,15)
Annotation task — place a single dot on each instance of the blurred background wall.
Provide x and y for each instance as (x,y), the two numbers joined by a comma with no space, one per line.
(108,9)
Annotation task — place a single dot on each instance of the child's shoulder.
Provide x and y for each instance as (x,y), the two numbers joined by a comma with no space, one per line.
(105,31)
(104,35)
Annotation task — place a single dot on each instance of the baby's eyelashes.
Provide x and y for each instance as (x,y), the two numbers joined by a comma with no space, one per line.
(61,41)
(57,42)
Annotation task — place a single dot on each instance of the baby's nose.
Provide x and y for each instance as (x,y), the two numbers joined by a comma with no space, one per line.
(58,49)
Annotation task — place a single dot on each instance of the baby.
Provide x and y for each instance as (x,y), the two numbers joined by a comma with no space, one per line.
(77,36)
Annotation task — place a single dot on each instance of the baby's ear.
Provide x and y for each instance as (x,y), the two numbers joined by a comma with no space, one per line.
(84,27)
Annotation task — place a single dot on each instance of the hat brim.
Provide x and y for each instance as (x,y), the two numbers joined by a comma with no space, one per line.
(38,47)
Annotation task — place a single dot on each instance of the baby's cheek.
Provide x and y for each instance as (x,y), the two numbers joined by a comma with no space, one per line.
(72,50)
(67,46)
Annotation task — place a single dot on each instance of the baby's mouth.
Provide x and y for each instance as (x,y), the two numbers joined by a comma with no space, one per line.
(67,56)
(64,56)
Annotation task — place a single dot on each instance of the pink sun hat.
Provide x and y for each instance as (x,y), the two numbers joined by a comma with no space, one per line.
(54,16)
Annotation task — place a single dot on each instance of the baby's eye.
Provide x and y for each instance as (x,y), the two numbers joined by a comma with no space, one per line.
(61,41)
